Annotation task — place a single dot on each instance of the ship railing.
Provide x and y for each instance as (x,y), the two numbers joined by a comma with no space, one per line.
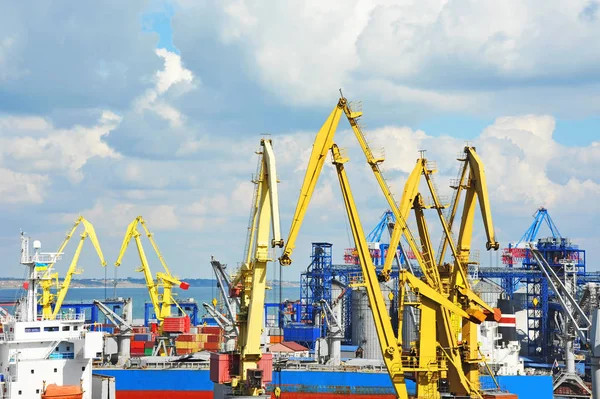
(172,365)
(70,317)
(296,365)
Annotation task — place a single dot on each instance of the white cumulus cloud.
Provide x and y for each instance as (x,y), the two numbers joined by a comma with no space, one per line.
(173,74)
(35,145)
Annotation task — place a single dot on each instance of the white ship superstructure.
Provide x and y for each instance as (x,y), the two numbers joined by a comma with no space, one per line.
(37,352)
(499,343)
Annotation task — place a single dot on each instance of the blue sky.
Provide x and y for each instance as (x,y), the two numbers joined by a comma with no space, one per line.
(155,109)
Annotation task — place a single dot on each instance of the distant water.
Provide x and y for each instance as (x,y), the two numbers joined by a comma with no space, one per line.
(140,295)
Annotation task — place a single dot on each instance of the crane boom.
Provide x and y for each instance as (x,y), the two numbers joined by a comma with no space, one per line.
(460,292)
(117,320)
(431,302)
(320,149)
(49,276)
(247,380)
(88,232)
(385,332)
(162,308)
(323,142)
(151,285)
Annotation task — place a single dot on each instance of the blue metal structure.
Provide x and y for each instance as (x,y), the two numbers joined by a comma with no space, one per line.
(90,310)
(316,284)
(540,216)
(377,248)
(292,309)
(522,269)
(318,280)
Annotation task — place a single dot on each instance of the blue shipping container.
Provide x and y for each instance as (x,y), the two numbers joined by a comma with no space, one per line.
(301,334)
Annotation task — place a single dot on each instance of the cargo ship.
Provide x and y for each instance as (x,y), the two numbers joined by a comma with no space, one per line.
(302,371)
(39,357)
(299,374)
(186,381)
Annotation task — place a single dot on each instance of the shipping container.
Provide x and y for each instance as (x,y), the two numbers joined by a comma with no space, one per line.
(176,324)
(300,333)
(143,337)
(137,344)
(186,338)
(219,368)
(214,338)
(202,337)
(266,365)
(212,330)
(275,339)
(212,346)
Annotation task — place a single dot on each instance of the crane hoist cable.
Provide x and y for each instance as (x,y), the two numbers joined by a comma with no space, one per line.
(161,302)
(48,278)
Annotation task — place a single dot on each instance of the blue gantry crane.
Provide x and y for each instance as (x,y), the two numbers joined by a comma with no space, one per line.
(522,270)
(519,253)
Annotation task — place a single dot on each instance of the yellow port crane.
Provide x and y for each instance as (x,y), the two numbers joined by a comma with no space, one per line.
(431,355)
(160,302)
(249,284)
(472,181)
(463,374)
(48,278)
(471,304)
(432,358)
(321,147)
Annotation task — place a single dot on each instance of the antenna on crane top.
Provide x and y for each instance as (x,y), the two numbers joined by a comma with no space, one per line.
(422,152)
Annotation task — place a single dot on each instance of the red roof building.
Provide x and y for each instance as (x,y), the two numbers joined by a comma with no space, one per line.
(289,348)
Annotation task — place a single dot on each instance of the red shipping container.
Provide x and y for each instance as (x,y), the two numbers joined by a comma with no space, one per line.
(266,365)
(176,324)
(219,368)
(187,338)
(212,330)
(213,338)
(212,346)
(154,327)
(137,344)
(148,345)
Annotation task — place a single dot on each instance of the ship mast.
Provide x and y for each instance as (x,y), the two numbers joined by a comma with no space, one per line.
(37,264)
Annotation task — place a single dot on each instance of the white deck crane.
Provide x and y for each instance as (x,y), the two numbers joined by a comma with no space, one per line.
(573,322)
(232,303)
(230,331)
(335,335)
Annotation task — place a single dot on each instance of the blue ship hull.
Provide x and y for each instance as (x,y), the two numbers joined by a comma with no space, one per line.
(195,384)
